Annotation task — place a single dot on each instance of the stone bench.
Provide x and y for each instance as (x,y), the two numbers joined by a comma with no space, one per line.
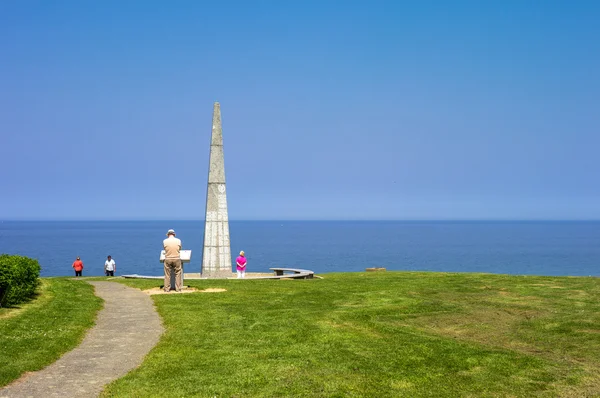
(293,273)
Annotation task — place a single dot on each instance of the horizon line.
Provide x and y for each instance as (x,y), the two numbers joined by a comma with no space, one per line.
(305,219)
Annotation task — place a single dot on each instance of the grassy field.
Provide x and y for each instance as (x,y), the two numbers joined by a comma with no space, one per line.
(36,334)
(388,334)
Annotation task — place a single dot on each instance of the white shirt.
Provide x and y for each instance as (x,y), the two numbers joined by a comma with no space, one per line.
(172,247)
(110,265)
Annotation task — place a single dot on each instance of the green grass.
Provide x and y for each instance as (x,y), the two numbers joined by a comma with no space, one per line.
(36,334)
(388,334)
(394,334)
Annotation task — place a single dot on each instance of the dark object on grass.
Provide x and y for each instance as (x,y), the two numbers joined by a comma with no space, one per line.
(19,278)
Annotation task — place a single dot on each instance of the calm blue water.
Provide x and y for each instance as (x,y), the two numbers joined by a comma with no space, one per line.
(539,248)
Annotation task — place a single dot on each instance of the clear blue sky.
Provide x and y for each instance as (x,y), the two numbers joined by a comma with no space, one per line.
(331,109)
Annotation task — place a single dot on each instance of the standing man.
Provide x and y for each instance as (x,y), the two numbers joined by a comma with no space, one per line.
(110,267)
(172,247)
(78,267)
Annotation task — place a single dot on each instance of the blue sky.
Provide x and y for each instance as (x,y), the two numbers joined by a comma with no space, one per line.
(331,109)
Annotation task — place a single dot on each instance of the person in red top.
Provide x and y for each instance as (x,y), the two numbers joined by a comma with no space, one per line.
(78,267)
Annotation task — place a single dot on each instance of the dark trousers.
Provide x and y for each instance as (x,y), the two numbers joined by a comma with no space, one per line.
(110,273)
(78,273)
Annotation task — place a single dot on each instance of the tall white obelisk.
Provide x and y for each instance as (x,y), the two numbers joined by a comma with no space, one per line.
(216,254)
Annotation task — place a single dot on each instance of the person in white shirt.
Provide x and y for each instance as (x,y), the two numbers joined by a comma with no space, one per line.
(110,267)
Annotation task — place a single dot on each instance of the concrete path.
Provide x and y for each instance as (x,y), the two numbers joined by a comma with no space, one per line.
(126,330)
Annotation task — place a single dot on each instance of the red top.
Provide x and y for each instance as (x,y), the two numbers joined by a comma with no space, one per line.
(78,265)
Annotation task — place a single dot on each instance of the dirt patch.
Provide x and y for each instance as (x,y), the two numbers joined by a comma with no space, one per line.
(364,330)
(484,326)
(593,331)
(547,285)
(158,290)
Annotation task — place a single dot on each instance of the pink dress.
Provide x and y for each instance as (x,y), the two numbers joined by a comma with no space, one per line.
(241,260)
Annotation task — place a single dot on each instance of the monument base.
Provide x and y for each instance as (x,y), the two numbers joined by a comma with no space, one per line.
(217,274)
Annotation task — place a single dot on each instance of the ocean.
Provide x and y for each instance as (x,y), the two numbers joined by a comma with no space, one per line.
(501,247)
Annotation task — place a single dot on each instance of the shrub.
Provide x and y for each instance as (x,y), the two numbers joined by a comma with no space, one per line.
(19,278)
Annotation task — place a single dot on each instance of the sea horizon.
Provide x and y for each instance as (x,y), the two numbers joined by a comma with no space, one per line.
(424,220)
(526,247)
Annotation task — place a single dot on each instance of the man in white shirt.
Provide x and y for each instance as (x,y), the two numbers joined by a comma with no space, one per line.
(172,247)
(110,267)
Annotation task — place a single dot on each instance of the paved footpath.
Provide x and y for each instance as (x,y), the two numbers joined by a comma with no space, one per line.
(126,330)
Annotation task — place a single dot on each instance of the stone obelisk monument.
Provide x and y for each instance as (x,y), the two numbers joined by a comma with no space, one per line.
(216,255)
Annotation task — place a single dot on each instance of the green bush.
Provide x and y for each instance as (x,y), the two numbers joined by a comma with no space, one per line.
(19,278)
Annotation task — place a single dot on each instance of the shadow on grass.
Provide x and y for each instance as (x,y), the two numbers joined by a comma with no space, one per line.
(19,306)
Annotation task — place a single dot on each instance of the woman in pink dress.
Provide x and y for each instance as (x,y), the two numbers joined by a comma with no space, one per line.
(241,265)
